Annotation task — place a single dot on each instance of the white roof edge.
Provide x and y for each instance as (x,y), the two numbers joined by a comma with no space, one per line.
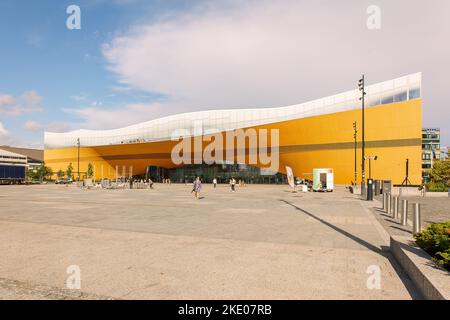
(4,152)
(325,105)
(416,76)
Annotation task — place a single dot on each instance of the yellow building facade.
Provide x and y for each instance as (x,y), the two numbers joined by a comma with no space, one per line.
(317,134)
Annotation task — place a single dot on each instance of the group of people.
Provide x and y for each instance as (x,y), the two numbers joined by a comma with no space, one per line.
(197,185)
(142,182)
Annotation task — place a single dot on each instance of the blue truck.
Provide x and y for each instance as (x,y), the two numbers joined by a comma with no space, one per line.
(12,174)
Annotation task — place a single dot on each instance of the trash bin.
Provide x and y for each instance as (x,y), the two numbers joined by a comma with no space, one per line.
(369,189)
(377,184)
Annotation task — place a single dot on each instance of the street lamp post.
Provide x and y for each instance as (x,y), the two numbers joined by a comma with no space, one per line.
(370,164)
(361,85)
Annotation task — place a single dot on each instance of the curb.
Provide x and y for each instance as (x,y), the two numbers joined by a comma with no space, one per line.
(432,281)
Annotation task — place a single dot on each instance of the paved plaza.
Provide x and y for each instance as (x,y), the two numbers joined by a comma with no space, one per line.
(261,242)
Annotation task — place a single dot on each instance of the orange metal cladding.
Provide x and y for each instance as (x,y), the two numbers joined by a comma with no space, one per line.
(393,133)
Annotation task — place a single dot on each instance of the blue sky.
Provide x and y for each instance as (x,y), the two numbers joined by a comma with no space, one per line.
(65,67)
(136,60)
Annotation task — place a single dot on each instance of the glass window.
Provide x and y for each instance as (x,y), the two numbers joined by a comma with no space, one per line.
(414,93)
(374,100)
(401,96)
(387,99)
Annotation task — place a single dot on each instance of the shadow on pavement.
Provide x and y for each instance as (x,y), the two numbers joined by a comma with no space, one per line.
(383,251)
(341,231)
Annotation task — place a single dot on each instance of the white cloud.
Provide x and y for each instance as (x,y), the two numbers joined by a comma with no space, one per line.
(55,126)
(96,103)
(28,102)
(3,131)
(7,139)
(33,126)
(58,127)
(17,142)
(32,100)
(79,97)
(121,88)
(111,118)
(6,100)
(273,53)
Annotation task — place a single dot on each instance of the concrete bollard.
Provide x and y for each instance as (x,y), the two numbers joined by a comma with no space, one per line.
(404,212)
(395,211)
(388,202)
(385,202)
(416,219)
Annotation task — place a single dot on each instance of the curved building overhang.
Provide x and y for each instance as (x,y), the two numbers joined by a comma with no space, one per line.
(212,121)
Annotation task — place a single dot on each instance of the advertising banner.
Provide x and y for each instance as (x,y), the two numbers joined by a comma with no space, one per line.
(290,176)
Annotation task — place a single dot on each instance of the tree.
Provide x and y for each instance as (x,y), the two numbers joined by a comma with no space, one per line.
(42,172)
(33,174)
(69,171)
(90,170)
(48,172)
(60,174)
(441,172)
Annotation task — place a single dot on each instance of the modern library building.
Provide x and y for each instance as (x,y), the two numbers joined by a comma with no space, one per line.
(315,134)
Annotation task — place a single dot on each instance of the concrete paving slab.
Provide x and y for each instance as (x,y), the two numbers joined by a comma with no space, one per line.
(260,242)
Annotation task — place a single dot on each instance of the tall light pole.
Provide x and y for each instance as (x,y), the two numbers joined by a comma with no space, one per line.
(355,131)
(78,145)
(370,164)
(361,88)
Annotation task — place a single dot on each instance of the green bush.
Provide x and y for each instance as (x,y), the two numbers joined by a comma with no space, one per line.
(437,187)
(436,241)
(441,171)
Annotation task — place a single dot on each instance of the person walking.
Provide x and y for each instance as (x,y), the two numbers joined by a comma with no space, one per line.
(423,189)
(150,183)
(197,185)
(215,182)
(232,184)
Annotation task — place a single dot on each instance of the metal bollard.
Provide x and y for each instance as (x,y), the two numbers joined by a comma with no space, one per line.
(416,218)
(388,207)
(395,211)
(404,212)
(384,202)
